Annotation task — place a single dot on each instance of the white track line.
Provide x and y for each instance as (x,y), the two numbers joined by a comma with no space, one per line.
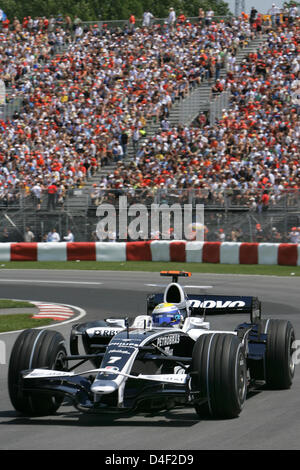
(51,282)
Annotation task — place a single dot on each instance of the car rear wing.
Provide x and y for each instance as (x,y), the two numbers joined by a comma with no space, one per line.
(222,304)
(210,304)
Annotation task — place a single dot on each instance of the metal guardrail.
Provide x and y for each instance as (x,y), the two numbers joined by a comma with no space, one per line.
(113,24)
(103,24)
(230,199)
(76,200)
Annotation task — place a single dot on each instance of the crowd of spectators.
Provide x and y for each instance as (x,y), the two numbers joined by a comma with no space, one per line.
(250,157)
(88,91)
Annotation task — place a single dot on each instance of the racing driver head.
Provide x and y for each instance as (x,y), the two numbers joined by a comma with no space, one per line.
(166,315)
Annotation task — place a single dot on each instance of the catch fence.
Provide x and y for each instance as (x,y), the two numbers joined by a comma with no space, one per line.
(228,215)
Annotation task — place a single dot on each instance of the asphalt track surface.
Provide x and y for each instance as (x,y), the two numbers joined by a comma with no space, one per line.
(269,420)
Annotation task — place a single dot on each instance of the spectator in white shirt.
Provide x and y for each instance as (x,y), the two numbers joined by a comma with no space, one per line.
(293,12)
(28,236)
(37,193)
(53,236)
(69,237)
(294,235)
(171,18)
(209,16)
(273,12)
(147,17)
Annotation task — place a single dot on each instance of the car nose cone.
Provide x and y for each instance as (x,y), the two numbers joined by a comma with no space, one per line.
(104,386)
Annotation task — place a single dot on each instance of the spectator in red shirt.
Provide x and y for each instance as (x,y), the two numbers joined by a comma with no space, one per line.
(52,191)
(132,22)
(265,200)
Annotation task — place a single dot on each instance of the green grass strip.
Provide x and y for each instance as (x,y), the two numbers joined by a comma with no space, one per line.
(153,266)
(7,303)
(21,321)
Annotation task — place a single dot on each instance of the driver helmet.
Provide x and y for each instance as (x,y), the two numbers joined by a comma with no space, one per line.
(166,314)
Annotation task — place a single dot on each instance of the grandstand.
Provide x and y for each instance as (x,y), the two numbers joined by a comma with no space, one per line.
(80,95)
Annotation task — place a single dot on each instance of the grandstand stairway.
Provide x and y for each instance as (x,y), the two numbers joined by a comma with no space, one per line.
(204,90)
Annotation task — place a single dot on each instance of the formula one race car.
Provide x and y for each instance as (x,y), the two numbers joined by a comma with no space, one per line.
(166,358)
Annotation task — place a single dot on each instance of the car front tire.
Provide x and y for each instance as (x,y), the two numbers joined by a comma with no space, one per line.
(220,375)
(35,349)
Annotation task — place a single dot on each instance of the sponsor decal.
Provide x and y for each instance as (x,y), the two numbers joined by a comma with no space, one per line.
(106,332)
(119,351)
(170,378)
(40,373)
(125,344)
(217,304)
(168,340)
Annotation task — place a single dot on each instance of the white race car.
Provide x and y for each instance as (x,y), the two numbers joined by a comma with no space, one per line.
(168,357)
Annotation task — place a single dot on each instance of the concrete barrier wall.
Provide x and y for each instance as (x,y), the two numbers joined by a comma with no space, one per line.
(181,251)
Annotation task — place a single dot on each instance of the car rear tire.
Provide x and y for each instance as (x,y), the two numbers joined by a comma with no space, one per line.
(280,367)
(220,375)
(35,349)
